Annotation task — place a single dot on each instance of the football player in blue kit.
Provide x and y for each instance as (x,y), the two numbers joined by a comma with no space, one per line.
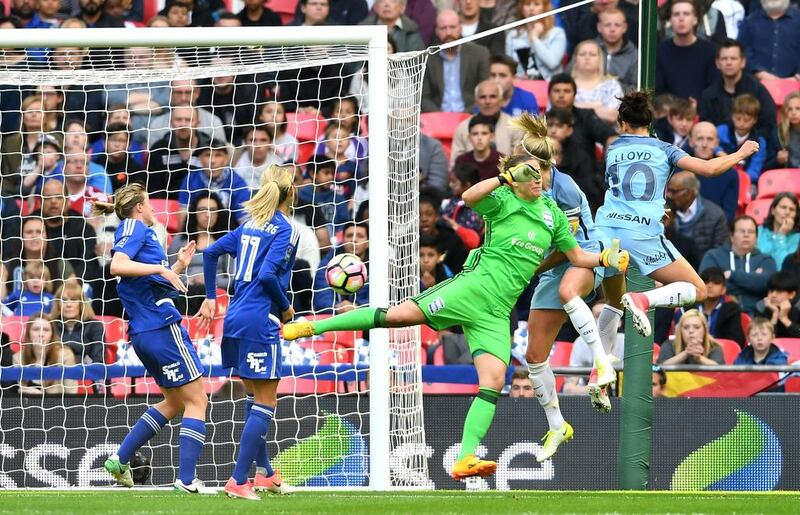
(148,288)
(638,168)
(265,248)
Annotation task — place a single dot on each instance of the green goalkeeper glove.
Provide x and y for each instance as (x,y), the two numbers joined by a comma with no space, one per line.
(614,257)
(521,173)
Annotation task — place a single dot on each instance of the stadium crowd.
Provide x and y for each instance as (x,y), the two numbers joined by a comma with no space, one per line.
(727,71)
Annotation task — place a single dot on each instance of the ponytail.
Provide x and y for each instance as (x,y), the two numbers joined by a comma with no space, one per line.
(535,140)
(125,200)
(276,183)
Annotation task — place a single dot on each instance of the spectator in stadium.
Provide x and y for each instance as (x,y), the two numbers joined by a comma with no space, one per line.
(789,134)
(684,63)
(698,219)
(745,267)
(337,144)
(321,191)
(723,190)
(659,381)
(118,114)
(92,14)
(680,120)
(741,128)
(537,47)
(483,155)
(33,246)
(432,270)
(315,12)
(11,95)
(105,299)
(452,74)
(256,14)
(723,313)
(345,116)
(48,165)
(257,154)
(144,99)
(581,23)
(131,11)
(574,160)
(766,34)
(215,174)
(693,344)
(447,240)
(309,89)
(76,143)
(36,293)
(41,346)
(311,216)
(716,102)
(620,55)
(761,350)
(596,90)
(74,323)
(515,99)
(81,193)
(117,157)
(780,306)
(402,28)
(342,12)
(475,20)
(779,235)
(581,356)
(488,95)
(683,243)
(521,386)
(355,240)
(432,165)
(591,130)
(273,114)
(208,221)
(464,220)
(186,93)
(172,155)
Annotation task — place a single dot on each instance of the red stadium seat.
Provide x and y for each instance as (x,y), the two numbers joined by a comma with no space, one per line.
(777,181)
(745,322)
(284,8)
(537,87)
(428,335)
(790,346)
(167,212)
(14,327)
(730,349)
(779,88)
(656,352)
(441,125)
(759,209)
(559,357)
(744,190)
(304,126)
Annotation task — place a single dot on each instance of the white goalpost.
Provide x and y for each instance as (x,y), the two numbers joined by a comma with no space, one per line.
(348,417)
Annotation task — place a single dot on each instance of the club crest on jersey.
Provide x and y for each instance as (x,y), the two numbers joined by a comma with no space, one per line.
(172,371)
(531,235)
(436,305)
(255,360)
(547,217)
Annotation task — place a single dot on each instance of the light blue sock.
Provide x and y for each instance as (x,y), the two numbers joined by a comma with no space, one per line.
(255,430)
(262,458)
(145,428)
(192,438)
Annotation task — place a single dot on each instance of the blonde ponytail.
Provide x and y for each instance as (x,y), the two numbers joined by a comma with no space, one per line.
(124,201)
(276,183)
(535,140)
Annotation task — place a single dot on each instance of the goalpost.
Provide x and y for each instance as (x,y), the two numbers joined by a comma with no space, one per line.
(348,420)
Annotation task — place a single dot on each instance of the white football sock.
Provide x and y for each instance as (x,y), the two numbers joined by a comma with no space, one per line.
(544,383)
(672,295)
(608,325)
(583,322)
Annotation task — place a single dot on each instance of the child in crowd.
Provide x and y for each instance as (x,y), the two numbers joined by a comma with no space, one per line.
(779,306)
(48,163)
(740,129)
(256,155)
(723,313)
(338,147)
(120,164)
(274,115)
(432,269)
(680,120)
(483,155)
(321,192)
(789,133)
(467,223)
(35,295)
(761,350)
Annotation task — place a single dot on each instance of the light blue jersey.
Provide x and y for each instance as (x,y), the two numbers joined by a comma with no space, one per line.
(637,170)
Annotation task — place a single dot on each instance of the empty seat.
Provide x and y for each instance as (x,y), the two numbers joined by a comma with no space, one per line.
(759,209)
(537,87)
(167,213)
(730,349)
(779,88)
(772,182)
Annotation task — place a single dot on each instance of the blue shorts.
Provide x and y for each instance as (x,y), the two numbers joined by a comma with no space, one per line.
(546,294)
(252,359)
(168,355)
(648,252)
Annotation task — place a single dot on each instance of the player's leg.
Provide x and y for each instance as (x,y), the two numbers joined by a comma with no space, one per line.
(361,319)
(491,379)
(608,323)
(194,400)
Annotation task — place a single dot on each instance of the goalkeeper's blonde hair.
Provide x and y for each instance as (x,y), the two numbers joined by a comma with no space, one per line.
(535,141)
(277,182)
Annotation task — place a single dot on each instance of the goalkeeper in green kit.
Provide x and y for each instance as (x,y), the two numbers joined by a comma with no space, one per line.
(521,225)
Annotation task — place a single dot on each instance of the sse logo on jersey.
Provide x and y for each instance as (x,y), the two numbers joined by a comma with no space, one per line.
(536,249)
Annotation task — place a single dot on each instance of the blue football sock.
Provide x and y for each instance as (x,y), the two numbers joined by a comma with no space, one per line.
(192,439)
(255,430)
(145,428)
(262,458)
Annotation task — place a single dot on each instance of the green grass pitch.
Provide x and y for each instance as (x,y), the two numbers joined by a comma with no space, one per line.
(347,503)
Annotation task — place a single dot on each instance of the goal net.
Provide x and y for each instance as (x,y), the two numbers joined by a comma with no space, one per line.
(196,115)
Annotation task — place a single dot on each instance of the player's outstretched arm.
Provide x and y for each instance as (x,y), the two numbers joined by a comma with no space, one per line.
(480,191)
(123,266)
(718,165)
(610,257)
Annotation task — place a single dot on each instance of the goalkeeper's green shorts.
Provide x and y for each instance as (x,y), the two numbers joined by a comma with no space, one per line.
(463,300)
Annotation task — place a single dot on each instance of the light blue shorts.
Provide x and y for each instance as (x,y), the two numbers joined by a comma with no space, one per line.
(648,252)
(546,294)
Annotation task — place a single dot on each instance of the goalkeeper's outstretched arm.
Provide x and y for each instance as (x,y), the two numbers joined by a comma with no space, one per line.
(480,191)
(612,256)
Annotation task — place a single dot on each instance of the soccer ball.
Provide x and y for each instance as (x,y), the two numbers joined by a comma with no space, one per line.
(346,273)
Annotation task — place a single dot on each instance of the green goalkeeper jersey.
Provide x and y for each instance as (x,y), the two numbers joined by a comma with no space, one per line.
(518,235)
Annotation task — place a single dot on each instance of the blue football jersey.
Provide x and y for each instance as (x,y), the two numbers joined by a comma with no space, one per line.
(262,253)
(148,300)
(573,203)
(637,170)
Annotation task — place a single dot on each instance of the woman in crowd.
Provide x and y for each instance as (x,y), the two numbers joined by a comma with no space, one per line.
(74,323)
(41,346)
(693,344)
(596,89)
(539,46)
(779,235)
(285,144)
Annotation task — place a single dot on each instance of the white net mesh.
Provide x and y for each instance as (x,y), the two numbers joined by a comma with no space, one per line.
(80,125)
